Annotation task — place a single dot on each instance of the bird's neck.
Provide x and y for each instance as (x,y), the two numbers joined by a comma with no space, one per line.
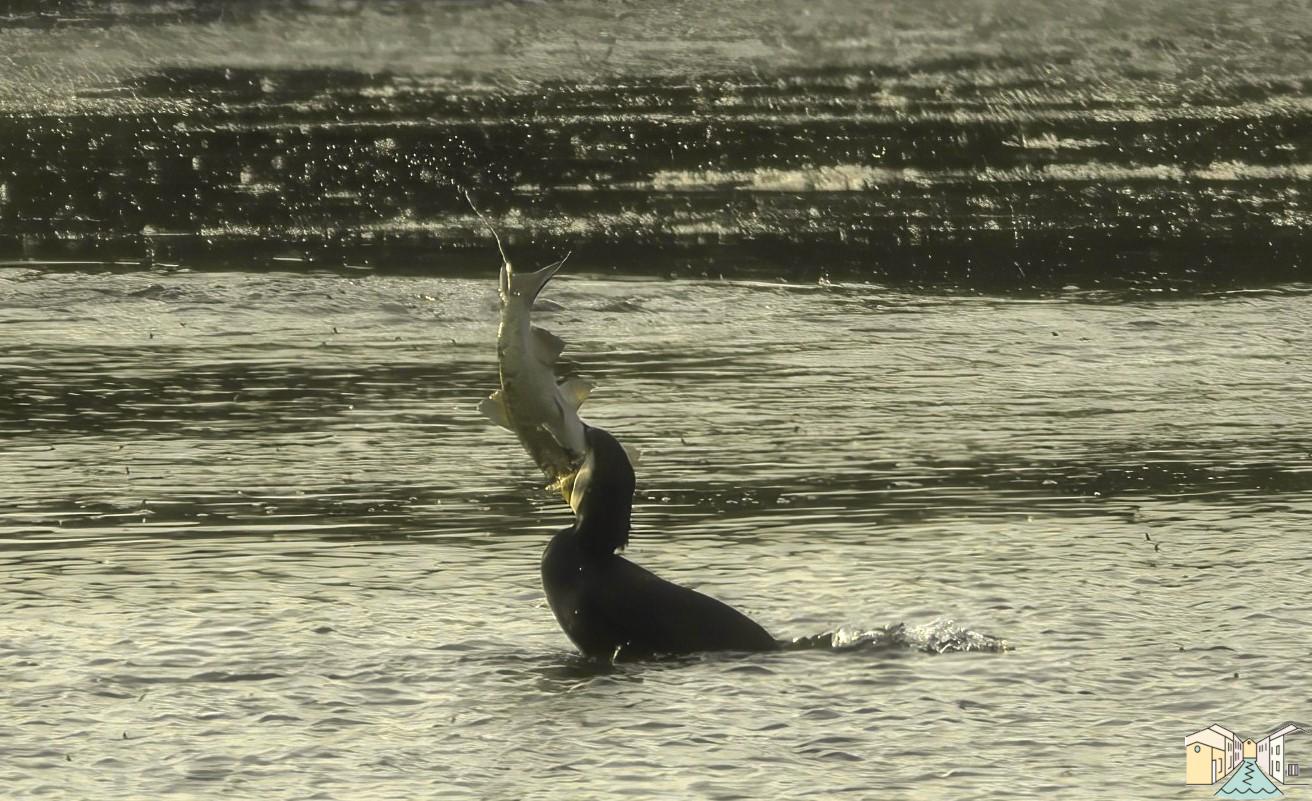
(602,525)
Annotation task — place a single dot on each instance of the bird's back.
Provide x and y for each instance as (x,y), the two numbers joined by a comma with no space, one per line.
(611,607)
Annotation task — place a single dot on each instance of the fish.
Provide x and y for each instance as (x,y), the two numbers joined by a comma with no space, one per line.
(541,411)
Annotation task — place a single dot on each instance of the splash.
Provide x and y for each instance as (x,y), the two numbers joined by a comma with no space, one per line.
(939,636)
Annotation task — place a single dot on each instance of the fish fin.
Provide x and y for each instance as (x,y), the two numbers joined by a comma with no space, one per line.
(494,409)
(575,391)
(547,346)
(528,285)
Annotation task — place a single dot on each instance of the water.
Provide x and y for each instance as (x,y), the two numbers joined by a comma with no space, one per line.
(925,144)
(967,348)
(257,541)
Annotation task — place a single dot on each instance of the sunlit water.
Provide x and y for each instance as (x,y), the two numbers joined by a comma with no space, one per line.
(258,543)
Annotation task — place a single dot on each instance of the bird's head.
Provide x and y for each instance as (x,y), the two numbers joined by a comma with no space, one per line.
(601,494)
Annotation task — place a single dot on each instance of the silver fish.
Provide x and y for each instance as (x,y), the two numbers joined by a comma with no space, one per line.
(542,413)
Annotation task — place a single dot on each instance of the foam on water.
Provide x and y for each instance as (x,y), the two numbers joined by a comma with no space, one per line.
(936,637)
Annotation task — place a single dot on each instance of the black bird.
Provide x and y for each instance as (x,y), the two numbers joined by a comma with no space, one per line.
(608,606)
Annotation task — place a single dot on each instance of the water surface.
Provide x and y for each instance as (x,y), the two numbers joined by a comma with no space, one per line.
(259,543)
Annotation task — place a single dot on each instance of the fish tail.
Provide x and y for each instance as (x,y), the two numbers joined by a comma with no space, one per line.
(507,272)
(528,285)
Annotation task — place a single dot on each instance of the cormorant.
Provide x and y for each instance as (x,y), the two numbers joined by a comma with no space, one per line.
(608,606)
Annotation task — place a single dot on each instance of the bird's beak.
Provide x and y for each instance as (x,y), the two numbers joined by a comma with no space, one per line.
(566,486)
